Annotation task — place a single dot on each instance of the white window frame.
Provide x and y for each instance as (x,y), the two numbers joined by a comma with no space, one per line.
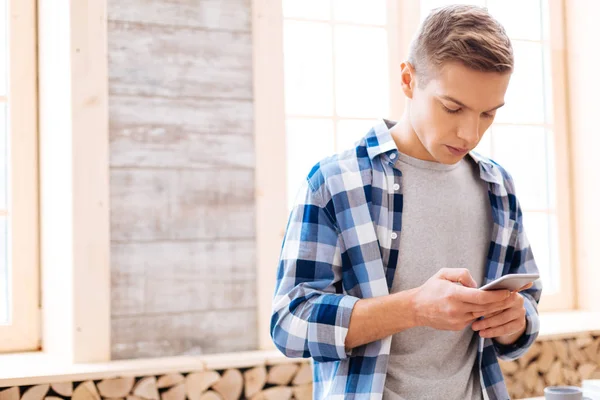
(270,147)
(566,298)
(271,197)
(23,331)
(579,43)
(72,142)
(74,175)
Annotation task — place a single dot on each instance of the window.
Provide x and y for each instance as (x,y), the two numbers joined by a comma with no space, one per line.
(19,266)
(336,76)
(328,50)
(523,136)
(331,47)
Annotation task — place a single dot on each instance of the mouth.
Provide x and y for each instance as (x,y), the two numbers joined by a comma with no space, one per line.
(457,150)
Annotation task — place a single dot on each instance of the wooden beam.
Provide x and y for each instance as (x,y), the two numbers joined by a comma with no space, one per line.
(75,243)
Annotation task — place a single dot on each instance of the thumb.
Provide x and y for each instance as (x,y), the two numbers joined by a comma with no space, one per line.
(523,288)
(460,275)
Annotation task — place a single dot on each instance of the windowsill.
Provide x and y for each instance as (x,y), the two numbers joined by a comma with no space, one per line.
(564,324)
(35,368)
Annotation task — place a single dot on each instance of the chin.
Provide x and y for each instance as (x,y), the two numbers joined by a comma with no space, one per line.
(445,157)
(450,160)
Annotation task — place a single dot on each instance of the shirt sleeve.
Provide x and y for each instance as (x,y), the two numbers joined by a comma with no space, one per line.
(310,318)
(521,261)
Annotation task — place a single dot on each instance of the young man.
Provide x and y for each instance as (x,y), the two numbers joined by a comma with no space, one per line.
(389,241)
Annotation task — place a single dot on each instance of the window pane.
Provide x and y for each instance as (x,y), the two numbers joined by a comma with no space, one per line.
(360,11)
(522,151)
(524,24)
(3,157)
(308,142)
(551,149)
(361,72)
(525,95)
(349,131)
(485,144)
(311,9)
(4,300)
(547,49)
(542,234)
(308,68)
(548,85)
(553,281)
(3,47)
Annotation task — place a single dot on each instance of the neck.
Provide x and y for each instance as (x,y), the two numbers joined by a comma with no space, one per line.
(407,140)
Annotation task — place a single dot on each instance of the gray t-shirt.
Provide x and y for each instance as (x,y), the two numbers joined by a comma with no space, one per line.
(446,223)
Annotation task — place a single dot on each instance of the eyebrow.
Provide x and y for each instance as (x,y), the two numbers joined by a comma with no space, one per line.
(452,99)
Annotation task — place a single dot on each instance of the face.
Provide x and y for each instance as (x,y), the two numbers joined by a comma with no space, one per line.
(450,115)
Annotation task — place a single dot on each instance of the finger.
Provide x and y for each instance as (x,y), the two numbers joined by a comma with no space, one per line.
(460,275)
(497,320)
(490,315)
(507,329)
(503,305)
(469,309)
(481,297)
(523,288)
(468,319)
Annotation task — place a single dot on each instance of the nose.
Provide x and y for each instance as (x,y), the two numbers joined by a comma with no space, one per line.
(469,133)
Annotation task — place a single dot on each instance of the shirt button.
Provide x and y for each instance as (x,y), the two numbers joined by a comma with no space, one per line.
(394,235)
(396,186)
(393,155)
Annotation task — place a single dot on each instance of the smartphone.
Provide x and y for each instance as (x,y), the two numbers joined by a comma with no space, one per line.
(511,282)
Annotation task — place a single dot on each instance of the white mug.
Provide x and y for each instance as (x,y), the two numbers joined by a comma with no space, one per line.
(564,393)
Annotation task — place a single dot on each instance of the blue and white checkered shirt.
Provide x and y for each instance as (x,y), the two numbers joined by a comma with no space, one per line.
(344,219)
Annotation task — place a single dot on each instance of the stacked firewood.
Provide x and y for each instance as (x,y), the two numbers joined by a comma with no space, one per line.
(547,363)
(277,382)
(553,362)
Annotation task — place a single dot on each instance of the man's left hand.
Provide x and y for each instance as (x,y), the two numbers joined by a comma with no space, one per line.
(504,321)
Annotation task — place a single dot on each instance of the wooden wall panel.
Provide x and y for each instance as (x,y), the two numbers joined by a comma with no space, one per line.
(231,15)
(161,204)
(177,116)
(185,333)
(175,277)
(182,177)
(144,147)
(154,60)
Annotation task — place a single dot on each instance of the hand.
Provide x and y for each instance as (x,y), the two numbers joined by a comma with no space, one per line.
(442,304)
(505,321)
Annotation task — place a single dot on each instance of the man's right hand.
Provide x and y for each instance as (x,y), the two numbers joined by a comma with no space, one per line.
(442,304)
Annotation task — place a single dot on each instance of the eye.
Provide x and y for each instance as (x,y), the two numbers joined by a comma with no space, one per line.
(451,111)
(486,115)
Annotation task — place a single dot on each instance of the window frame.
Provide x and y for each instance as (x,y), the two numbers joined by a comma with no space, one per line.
(72,261)
(565,299)
(23,332)
(74,176)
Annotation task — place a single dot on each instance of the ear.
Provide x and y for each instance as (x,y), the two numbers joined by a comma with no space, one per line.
(408,77)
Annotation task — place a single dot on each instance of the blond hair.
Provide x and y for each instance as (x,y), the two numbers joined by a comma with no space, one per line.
(460,33)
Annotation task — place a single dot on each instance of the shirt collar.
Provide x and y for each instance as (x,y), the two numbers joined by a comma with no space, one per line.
(379,141)
(488,171)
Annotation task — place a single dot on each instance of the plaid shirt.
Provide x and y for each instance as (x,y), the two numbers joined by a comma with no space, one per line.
(339,248)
